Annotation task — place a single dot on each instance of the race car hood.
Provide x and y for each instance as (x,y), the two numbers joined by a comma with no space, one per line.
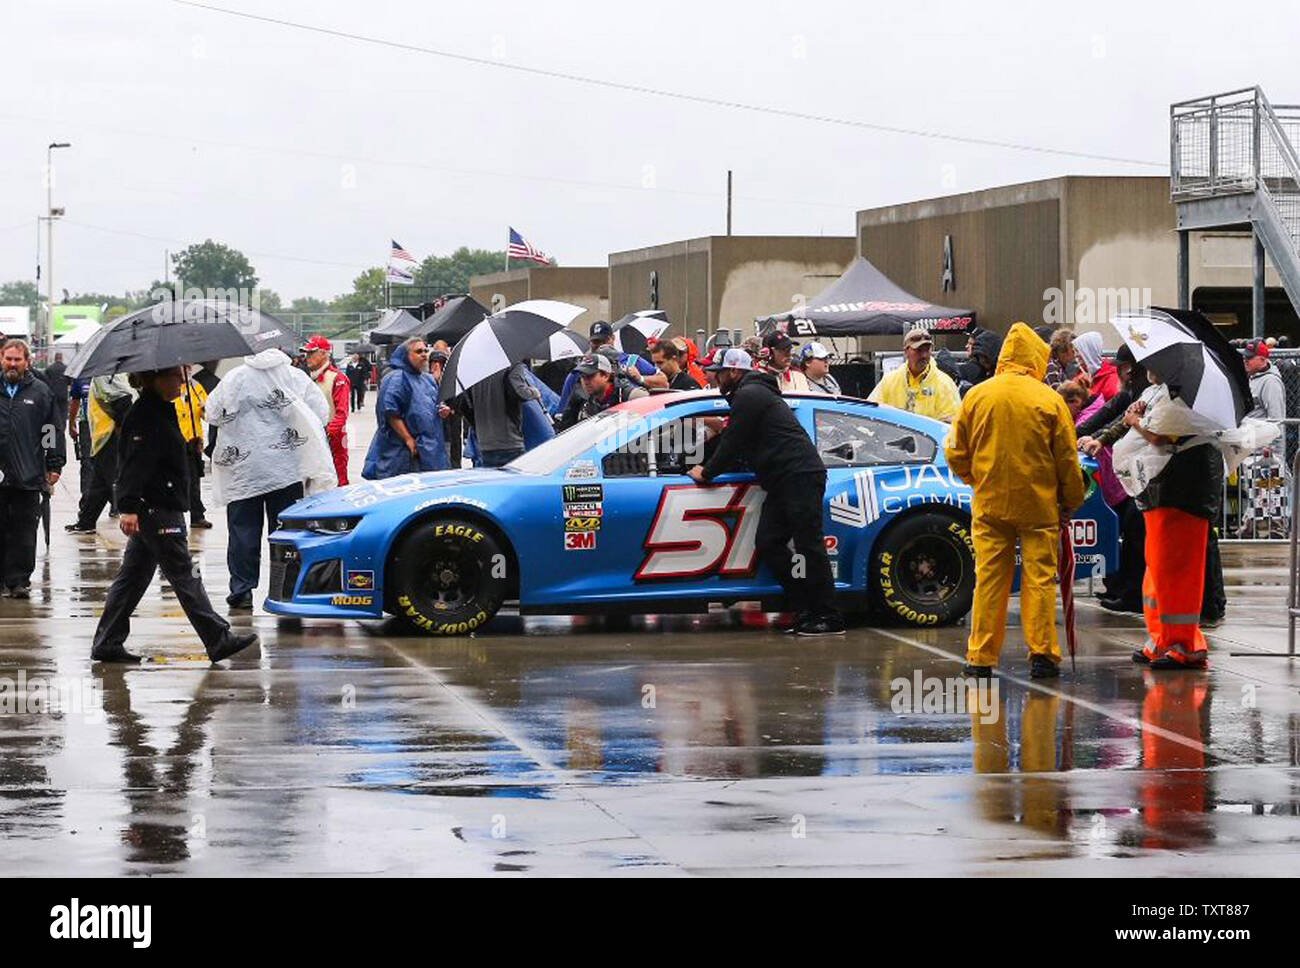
(358,498)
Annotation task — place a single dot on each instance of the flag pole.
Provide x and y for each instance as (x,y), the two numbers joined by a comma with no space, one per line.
(507,268)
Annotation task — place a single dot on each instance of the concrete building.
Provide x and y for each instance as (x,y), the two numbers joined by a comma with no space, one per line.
(586,286)
(724,280)
(1065,251)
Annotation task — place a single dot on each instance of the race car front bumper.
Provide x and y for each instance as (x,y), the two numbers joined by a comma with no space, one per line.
(320,576)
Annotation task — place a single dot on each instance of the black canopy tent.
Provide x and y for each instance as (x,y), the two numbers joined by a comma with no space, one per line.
(866,302)
(450,321)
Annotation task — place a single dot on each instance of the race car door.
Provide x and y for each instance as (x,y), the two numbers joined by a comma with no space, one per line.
(667,537)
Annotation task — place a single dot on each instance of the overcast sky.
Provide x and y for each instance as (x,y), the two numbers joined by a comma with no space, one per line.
(309,152)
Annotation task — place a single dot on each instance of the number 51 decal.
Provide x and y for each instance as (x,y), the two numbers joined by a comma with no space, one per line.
(700,530)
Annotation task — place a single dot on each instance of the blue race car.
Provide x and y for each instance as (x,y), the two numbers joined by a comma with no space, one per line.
(603,519)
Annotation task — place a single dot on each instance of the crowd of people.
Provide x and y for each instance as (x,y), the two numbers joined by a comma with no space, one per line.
(275,429)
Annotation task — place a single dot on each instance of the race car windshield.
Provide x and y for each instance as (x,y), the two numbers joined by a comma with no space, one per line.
(555,453)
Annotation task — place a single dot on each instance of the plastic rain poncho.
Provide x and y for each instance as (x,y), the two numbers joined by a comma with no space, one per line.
(1138,462)
(271,419)
(407,393)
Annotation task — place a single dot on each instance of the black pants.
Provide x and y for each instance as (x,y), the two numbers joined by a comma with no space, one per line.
(20,517)
(244,544)
(98,491)
(197,510)
(1214,600)
(1126,584)
(793,510)
(160,544)
(358,395)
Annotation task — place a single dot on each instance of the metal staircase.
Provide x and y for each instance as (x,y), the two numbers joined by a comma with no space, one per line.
(1234,165)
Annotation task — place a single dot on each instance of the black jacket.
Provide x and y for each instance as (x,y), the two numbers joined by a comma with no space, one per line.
(28,422)
(153,465)
(1192,481)
(763,430)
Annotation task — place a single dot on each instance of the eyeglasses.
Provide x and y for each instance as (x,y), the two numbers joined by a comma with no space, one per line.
(424,352)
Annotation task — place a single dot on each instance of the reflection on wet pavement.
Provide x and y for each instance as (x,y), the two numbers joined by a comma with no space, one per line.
(649,745)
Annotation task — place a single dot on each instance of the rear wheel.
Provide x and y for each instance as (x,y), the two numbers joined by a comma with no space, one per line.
(448,576)
(923,570)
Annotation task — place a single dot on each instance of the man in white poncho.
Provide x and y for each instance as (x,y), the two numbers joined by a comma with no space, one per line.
(271,450)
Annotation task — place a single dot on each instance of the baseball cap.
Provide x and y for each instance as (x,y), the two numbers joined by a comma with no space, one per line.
(594,363)
(814,351)
(733,359)
(1256,347)
(777,340)
(917,337)
(601,330)
(317,343)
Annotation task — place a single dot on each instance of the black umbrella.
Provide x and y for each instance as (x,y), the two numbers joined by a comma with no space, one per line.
(174,333)
(562,345)
(501,341)
(1193,359)
(45,515)
(635,330)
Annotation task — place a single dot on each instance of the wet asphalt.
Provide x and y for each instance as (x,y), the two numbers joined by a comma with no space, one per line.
(633,746)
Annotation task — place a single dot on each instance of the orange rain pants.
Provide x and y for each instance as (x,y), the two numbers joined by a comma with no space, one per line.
(1174,582)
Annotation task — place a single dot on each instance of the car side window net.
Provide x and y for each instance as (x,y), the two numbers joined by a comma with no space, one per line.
(849,440)
(670,449)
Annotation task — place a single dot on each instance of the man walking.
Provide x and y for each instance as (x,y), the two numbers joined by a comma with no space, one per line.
(358,373)
(764,430)
(1013,442)
(31,457)
(271,421)
(334,386)
(409,436)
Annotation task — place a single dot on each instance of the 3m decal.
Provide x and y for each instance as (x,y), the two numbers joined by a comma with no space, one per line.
(580,541)
(700,530)
(361,579)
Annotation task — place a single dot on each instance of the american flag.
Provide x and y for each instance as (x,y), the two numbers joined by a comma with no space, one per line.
(519,248)
(399,254)
(400,266)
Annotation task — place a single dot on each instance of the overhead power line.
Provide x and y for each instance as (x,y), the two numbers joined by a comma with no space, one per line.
(675,95)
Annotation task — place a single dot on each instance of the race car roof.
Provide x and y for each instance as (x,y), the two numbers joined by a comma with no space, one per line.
(658,401)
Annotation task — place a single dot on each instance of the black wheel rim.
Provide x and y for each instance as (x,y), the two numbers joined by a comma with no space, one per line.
(451,575)
(930,569)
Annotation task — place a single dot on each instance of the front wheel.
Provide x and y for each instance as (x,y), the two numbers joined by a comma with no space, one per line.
(923,570)
(448,576)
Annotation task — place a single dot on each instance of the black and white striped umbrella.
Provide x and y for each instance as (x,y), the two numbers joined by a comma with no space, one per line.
(563,345)
(502,340)
(635,330)
(1193,359)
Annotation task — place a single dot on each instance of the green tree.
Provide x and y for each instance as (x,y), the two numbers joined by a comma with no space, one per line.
(213,265)
(450,273)
(269,300)
(366,296)
(308,304)
(21,292)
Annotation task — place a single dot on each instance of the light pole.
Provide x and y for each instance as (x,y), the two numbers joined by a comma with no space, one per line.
(47,330)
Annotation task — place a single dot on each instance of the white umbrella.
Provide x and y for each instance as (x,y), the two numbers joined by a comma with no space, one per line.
(502,340)
(1192,358)
(635,330)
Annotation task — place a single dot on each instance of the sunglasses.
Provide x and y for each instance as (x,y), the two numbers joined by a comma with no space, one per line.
(420,352)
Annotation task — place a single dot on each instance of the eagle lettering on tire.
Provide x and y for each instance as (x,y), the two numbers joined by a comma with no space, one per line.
(443,577)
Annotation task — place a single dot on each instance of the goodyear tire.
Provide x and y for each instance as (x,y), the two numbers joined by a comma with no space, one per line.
(923,570)
(448,576)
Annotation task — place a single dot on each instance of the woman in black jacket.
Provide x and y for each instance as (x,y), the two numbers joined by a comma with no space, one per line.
(153,496)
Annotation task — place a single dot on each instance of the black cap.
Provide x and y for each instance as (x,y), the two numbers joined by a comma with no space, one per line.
(777,340)
(601,330)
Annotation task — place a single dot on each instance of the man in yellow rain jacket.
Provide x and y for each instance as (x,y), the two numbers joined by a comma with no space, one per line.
(189,414)
(1013,442)
(918,385)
